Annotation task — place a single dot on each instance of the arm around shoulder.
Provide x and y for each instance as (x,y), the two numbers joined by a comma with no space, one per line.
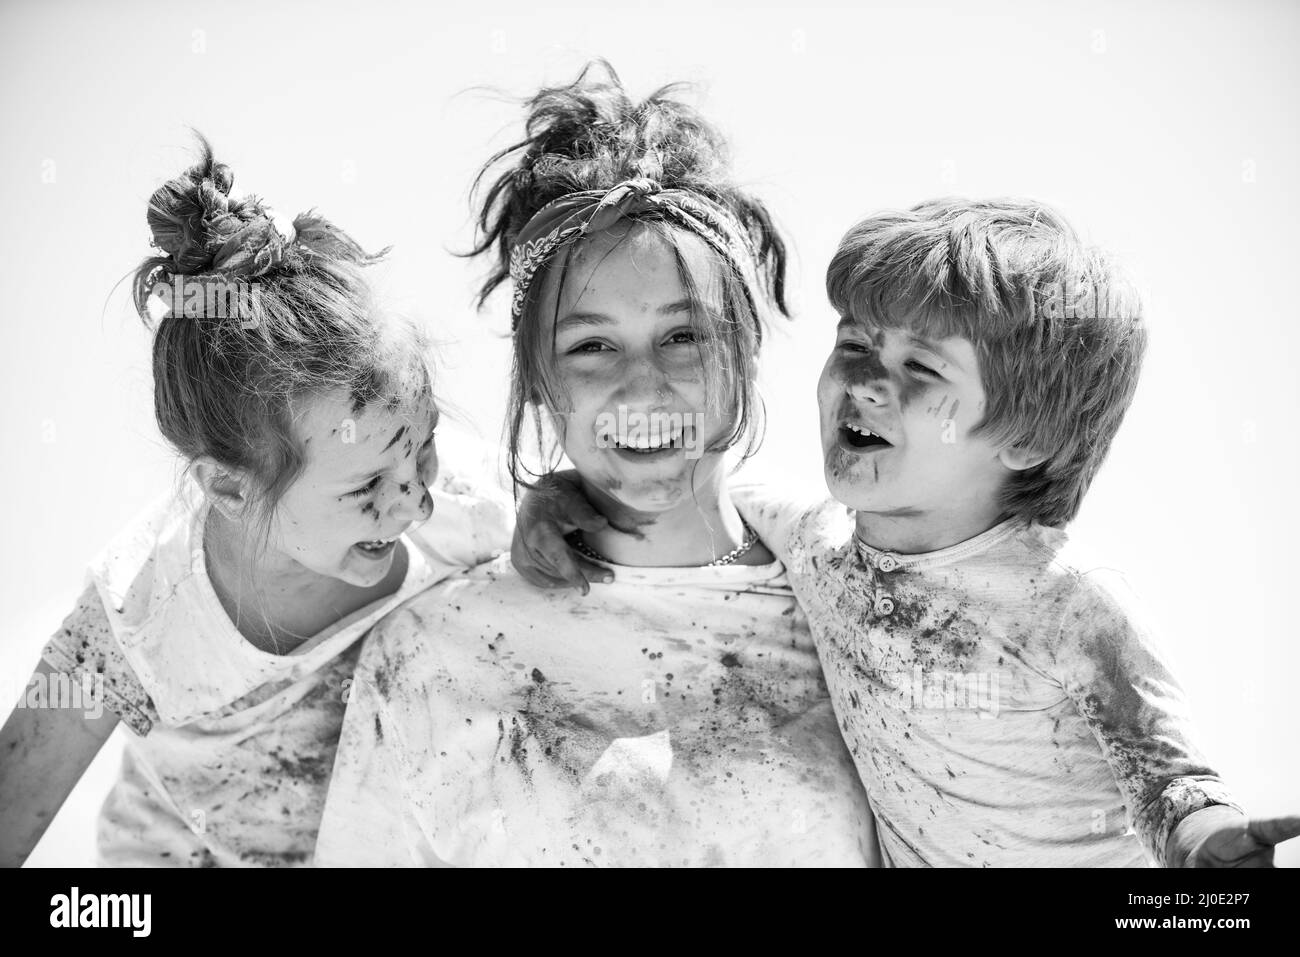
(774,511)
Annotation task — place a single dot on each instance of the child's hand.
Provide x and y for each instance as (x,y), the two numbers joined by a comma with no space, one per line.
(1220,836)
(539,551)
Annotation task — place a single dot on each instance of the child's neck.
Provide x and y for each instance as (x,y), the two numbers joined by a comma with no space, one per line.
(696,532)
(275,602)
(912,532)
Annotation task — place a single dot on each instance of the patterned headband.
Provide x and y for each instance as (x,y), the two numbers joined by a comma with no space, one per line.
(587,213)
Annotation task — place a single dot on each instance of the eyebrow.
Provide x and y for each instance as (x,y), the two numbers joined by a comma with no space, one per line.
(935,349)
(364,476)
(676,308)
(583,319)
(848,322)
(601,319)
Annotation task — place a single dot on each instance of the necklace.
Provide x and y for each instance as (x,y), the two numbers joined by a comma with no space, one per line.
(748,542)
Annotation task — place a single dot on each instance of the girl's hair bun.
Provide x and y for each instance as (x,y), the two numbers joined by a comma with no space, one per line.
(591,135)
(192,216)
(202,231)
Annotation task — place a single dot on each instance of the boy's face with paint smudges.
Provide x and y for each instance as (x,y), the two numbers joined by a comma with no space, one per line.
(364,483)
(896,418)
(625,338)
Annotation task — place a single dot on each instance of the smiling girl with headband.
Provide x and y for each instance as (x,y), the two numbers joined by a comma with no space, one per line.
(677,716)
(220,628)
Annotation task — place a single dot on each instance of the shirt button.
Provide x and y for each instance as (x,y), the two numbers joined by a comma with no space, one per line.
(888,563)
(884,605)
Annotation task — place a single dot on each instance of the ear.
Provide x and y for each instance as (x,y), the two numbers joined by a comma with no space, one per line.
(1018,459)
(224,487)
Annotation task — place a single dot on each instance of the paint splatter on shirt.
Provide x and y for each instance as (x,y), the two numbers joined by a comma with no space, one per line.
(1003,699)
(232,746)
(675,717)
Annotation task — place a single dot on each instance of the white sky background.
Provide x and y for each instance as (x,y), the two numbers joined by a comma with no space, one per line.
(1166,131)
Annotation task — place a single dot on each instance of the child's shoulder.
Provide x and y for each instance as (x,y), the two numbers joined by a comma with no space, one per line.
(1059,556)
(1093,593)
(142,564)
(467,465)
(129,582)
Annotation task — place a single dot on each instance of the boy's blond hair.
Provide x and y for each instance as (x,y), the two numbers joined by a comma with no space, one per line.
(1057,328)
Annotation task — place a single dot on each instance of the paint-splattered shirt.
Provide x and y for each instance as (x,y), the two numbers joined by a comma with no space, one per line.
(1003,698)
(675,717)
(232,746)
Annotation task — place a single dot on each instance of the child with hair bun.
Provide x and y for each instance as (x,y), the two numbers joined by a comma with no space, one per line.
(221,627)
(677,716)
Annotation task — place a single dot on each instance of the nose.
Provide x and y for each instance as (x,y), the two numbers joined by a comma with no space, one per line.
(646,385)
(870,391)
(411,501)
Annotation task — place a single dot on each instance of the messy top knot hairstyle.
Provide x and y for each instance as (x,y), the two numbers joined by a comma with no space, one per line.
(1055,324)
(590,135)
(256,321)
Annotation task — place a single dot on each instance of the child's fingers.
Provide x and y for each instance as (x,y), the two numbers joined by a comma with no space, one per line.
(577,572)
(550,557)
(571,510)
(627,528)
(559,568)
(531,573)
(596,574)
(534,565)
(1274,830)
(590,520)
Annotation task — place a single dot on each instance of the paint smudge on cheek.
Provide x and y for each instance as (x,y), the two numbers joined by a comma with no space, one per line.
(910,388)
(693,376)
(842,466)
(936,411)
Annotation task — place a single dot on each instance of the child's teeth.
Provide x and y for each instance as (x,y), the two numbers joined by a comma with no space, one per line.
(646,442)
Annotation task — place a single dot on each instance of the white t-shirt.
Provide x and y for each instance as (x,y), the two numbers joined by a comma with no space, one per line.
(232,746)
(675,717)
(1005,698)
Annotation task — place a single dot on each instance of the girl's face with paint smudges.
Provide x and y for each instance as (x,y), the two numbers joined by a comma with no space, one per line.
(364,483)
(896,414)
(630,365)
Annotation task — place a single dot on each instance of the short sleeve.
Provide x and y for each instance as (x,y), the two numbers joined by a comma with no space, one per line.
(473,517)
(1119,680)
(465,529)
(773,512)
(84,648)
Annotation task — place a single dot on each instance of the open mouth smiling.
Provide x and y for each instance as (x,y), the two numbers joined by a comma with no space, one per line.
(650,444)
(377,548)
(856,438)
